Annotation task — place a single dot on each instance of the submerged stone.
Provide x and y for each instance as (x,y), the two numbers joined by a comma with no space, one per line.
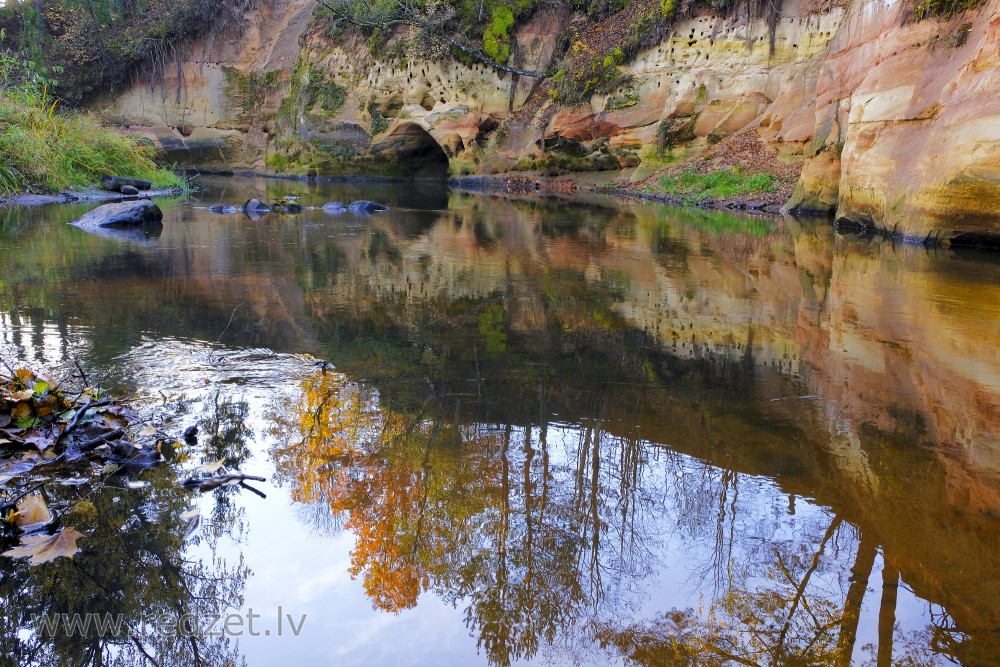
(218,208)
(334,208)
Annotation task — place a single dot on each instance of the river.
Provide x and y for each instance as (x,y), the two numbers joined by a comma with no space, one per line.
(502,430)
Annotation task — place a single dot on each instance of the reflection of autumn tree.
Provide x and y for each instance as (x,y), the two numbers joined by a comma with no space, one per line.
(382,470)
(479,513)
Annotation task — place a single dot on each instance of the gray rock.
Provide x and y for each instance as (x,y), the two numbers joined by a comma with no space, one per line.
(365,207)
(121,214)
(334,208)
(256,206)
(224,209)
(130,190)
(255,209)
(115,183)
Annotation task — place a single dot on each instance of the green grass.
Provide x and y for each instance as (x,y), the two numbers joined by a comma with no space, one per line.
(45,150)
(692,187)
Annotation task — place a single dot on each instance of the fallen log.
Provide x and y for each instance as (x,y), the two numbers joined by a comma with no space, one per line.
(115,183)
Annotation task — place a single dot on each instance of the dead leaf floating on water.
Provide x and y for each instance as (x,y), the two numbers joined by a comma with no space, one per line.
(45,548)
(209,468)
(32,513)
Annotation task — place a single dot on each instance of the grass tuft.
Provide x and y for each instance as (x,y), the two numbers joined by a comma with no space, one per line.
(46,150)
(694,188)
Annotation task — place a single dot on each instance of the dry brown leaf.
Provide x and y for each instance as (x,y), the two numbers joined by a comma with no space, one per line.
(21,410)
(24,395)
(190,514)
(149,430)
(209,468)
(41,438)
(32,513)
(43,548)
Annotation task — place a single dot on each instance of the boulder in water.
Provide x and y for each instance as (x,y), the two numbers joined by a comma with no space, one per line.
(334,208)
(139,220)
(254,209)
(256,206)
(121,214)
(365,207)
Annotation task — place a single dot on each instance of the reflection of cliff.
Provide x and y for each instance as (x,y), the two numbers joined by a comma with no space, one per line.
(661,331)
(888,338)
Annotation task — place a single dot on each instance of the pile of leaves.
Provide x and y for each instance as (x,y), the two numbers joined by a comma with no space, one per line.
(50,433)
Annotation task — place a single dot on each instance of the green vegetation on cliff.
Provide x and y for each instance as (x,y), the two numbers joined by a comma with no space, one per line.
(694,188)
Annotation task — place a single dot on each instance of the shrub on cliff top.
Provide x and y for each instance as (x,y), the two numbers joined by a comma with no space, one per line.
(99,42)
(929,8)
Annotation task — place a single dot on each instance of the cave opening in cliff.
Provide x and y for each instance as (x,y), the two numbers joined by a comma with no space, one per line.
(417,154)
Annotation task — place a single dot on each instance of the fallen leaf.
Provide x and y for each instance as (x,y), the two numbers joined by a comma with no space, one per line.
(41,439)
(149,430)
(24,395)
(32,513)
(113,421)
(210,467)
(4,420)
(40,388)
(43,548)
(20,411)
(24,375)
(110,469)
(11,468)
(26,422)
(190,514)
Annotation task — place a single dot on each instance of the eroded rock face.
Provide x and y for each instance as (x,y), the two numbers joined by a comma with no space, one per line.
(894,120)
(920,135)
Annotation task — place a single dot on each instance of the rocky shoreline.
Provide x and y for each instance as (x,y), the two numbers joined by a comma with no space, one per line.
(71,196)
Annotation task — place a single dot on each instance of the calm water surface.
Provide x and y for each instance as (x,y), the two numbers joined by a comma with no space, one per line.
(536,431)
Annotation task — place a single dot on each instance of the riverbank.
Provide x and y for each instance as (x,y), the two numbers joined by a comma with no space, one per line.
(70,196)
(53,156)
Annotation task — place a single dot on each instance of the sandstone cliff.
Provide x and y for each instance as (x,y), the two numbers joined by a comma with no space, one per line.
(892,119)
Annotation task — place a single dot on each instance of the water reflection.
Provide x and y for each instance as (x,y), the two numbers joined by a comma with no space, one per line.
(134,573)
(602,432)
